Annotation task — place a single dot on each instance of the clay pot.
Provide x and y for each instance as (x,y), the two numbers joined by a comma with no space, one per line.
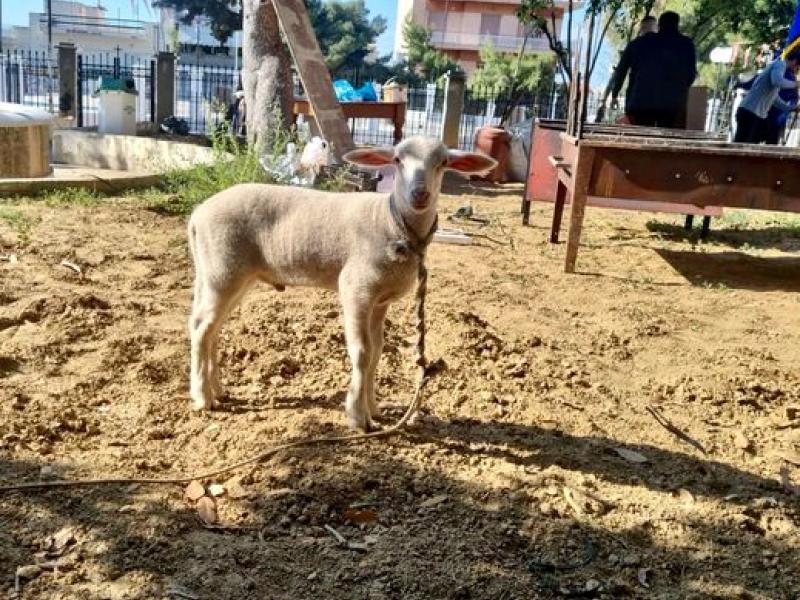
(495,142)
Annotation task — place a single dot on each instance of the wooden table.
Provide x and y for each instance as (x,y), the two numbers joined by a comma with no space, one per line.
(394,111)
(654,169)
(543,174)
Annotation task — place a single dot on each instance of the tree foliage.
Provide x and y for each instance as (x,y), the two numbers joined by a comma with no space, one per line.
(506,72)
(511,76)
(345,31)
(225,16)
(713,22)
(422,57)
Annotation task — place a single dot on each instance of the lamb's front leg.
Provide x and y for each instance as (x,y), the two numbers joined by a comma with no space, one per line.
(357,311)
(377,320)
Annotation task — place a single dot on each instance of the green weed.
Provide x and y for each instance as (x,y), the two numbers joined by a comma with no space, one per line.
(71,197)
(21,223)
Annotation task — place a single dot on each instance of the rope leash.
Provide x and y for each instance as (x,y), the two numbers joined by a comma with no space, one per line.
(408,416)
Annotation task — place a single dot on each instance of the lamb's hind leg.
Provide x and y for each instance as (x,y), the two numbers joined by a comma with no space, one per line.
(211,306)
(357,314)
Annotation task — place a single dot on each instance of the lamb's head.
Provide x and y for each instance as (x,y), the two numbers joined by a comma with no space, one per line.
(420,164)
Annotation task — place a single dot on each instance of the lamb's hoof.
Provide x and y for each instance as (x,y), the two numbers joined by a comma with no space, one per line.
(204,403)
(362,423)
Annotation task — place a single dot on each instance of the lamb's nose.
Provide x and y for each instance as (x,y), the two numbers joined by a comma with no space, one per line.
(421,196)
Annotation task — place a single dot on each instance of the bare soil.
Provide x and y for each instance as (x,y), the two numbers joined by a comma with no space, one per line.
(538,473)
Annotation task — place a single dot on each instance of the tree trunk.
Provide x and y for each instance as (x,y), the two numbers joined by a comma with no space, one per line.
(266,69)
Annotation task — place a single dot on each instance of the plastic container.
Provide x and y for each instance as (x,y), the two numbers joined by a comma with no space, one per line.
(494,142)
(116,112)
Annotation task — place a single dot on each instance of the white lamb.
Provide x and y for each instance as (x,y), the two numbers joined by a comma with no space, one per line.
(366,246)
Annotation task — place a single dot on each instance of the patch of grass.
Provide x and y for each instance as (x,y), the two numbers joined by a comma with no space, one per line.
(71,197)
(336,181)
(21,223)
(233,164)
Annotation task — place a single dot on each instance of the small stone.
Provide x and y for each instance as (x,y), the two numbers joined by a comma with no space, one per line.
(741,442)
(194,491)
(592,585)
(312,576)
(47,472)
(215,489)
(234,488)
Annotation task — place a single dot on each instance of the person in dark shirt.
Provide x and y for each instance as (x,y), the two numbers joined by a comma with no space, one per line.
(662,68)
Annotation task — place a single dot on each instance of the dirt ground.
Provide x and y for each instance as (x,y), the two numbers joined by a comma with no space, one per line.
(538,473)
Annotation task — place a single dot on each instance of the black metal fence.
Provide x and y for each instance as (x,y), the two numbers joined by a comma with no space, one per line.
(91,68)
(30,78)
(486,107)
(203,94)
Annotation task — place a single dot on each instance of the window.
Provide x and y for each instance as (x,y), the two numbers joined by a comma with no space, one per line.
(436,21)
(490,24)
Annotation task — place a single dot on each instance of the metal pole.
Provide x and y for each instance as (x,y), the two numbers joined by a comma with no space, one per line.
(1,26)
(49,55)
(49,24)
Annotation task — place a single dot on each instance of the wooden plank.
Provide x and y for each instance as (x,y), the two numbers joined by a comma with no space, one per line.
(697,177)
(711,147)
(316,79)
(619,130)
(654,206)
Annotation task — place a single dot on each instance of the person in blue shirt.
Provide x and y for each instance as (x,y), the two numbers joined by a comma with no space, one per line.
(752,125)
(777,118)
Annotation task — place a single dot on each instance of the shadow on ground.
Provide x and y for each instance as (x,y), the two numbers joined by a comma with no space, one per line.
(438,536)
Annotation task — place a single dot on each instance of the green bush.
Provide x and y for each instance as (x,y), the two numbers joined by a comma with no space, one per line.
(234,163)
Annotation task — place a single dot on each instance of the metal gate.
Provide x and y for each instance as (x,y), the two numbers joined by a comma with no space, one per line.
(91,68)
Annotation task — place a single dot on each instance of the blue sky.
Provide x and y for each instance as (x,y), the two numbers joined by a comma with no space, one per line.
(16,13)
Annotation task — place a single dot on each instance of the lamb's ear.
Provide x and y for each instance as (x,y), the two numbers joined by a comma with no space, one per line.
(370,158)
(470,163)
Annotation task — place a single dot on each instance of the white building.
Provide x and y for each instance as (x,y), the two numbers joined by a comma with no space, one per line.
(196,45)
(460,28)
(89,28)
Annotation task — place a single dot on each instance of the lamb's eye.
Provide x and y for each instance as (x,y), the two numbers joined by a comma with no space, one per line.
(444,163)
(396,160)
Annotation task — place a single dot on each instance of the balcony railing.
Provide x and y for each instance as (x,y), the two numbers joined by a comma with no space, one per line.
(473,41)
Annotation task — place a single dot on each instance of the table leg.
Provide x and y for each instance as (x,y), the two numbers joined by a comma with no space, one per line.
(706,229)
(580,194)
(575,229)
(558,211)
(526,210)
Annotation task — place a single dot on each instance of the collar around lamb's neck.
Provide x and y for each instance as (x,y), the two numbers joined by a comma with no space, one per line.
(416,243)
